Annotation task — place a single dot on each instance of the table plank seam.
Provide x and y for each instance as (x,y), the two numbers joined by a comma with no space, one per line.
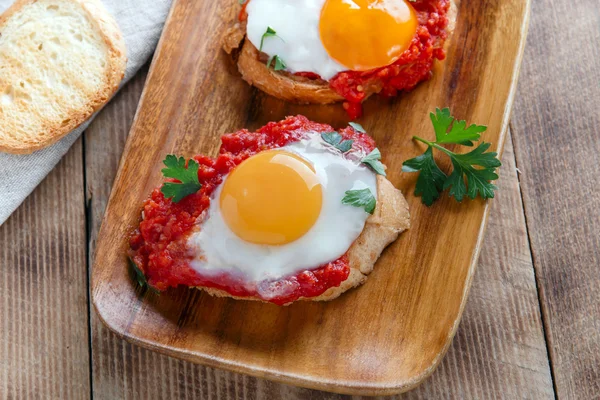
(538,288)
(87,209)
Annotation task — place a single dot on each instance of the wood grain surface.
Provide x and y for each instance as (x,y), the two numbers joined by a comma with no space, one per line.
(497,351)
(44,290)
(557,134)
(422,293)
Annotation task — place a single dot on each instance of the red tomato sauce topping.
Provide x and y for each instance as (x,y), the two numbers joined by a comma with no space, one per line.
(159,245)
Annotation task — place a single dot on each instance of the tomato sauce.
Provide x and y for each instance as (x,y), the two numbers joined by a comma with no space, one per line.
(159,245)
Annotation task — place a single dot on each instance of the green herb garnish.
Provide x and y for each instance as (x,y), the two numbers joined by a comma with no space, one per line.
(431,180)
(138,276)
(477,167)
(270,32)
(187,177)
(360,198)
(335,139)
(357,127)
(279,64)
(373,161)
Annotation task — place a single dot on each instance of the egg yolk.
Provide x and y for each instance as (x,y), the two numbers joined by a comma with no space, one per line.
(367,34)
(271,198)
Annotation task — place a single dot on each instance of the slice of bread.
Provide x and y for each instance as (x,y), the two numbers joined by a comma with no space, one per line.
(60,61)
(391,217)
(286,86)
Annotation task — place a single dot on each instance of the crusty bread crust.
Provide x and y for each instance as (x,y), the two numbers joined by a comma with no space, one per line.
(114,73)
(391,217)
(284,85)
(278,84)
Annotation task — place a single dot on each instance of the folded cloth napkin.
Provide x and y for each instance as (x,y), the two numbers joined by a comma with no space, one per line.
(141,22)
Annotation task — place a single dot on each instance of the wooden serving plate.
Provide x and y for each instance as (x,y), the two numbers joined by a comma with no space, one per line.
(382,338)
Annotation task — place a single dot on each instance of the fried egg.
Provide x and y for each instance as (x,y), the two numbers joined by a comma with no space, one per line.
(280,212)
(329,36)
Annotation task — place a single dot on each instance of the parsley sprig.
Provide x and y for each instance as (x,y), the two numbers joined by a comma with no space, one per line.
(187,177)
(360,198)
(472,171)
(335,139)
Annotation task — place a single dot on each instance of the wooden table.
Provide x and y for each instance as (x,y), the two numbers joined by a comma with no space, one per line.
(531,328)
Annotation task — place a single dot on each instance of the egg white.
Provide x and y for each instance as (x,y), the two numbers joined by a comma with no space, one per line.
(218,250)
(298,42)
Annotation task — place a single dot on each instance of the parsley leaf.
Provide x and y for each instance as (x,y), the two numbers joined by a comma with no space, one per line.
(138,276)
(459,132)
(345,146)
(270,32)
(472,171)
(431,179)
(188,178)
(360,198)
(477,178)
(335,139)
(279,64)
(357,127)
(372,160)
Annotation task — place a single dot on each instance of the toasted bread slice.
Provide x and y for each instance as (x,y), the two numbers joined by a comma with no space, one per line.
(60,61)
(391,217)
(283,85)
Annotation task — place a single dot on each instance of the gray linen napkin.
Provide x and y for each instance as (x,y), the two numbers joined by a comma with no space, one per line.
(141,22)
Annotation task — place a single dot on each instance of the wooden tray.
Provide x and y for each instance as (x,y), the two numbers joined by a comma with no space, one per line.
(383,338)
